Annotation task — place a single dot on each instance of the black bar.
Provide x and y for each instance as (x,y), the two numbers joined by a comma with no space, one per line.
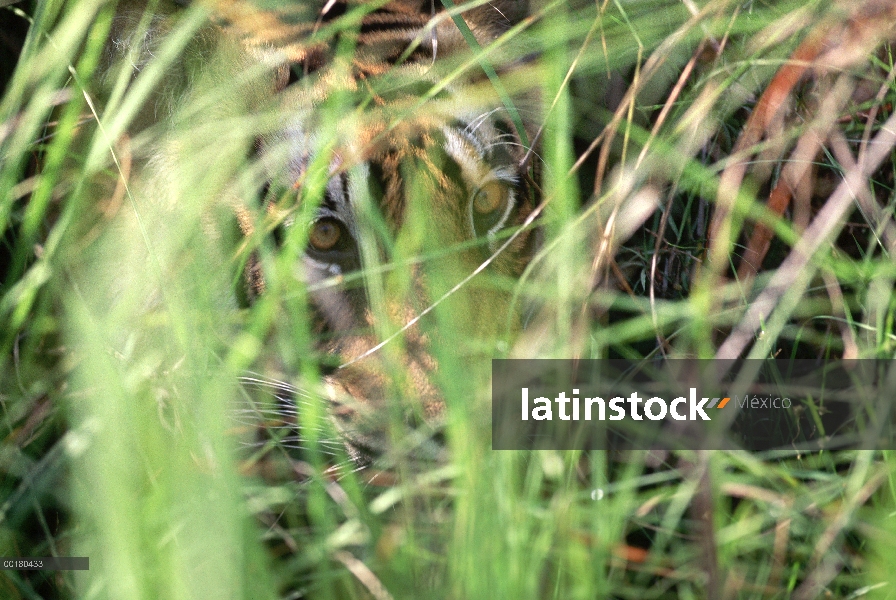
(45,563)
(689,404)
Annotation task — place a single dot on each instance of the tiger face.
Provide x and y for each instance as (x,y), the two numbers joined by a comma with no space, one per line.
(443,224)
(419,190)
(399,179)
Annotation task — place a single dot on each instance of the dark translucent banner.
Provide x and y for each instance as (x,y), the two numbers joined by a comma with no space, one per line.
(44,563)
(693,404)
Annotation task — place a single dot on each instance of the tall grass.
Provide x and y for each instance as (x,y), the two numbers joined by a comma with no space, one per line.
(134,382)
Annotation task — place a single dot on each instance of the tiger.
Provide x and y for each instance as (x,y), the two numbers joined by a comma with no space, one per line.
(390,153)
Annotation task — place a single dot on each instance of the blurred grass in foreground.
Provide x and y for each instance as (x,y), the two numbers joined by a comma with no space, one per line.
(123,342)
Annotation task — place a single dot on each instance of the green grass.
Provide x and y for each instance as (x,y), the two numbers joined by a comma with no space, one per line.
(129,429)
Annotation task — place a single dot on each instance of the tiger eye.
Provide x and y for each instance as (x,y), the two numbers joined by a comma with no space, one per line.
(325,234)
(489,198)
